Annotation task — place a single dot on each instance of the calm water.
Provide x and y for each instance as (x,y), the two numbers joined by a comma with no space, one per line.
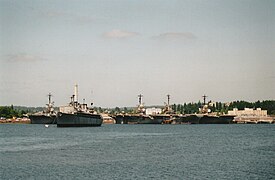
(138,152)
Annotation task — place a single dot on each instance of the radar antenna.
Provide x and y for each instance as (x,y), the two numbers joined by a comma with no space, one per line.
(50,96)
(204,98)
(140,99)
(168,99)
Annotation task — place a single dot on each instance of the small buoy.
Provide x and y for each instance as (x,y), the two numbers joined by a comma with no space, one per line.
(46,125)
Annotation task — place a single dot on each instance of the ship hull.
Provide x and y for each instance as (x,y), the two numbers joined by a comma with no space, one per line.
(163,118)
(190,119)
(119,119)
(137,119)
(207,119)
(150,120)
(42,119)
(78,120)
(226,119)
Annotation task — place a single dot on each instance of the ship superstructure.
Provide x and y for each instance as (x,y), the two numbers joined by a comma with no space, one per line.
(205,116)
(48,116)
(77,115)
(139,117)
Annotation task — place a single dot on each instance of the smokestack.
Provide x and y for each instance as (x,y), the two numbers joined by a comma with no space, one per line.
(76,93)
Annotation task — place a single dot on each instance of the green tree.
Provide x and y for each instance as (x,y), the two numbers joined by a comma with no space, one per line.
(174,107)
(100,110)
(178,109)
(117,110)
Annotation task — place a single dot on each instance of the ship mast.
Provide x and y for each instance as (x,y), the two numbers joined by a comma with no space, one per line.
(72,99)
(76,93)
(168,102)
(204,98)
(50,95)
(204,107)
(140,99)
(140,106)
(50,104)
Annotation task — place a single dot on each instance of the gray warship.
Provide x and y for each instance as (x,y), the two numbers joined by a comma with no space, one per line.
(139,117)
(48,116)
(77,115)
(167,115)
(204,117)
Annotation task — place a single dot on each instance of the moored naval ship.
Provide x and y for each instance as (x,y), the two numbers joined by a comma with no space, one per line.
(77,115)
(139,117)
(167,115)
(48,116)
(204,117)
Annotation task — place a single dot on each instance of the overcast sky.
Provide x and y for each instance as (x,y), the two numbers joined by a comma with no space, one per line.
(117,49)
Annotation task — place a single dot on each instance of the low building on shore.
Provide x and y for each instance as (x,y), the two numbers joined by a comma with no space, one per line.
(250,115)
(248,112)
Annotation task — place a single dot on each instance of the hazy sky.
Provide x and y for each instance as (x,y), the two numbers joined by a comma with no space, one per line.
(117,49)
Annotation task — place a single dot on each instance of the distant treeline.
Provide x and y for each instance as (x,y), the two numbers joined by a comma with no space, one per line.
(32,109)
(218,107)
(10,111)
(186,108)
(18,111)
(222,108)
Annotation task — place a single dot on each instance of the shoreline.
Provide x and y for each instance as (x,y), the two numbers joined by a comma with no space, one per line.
(15,121)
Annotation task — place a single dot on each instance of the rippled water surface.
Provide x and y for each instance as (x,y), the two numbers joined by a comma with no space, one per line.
(138,152)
